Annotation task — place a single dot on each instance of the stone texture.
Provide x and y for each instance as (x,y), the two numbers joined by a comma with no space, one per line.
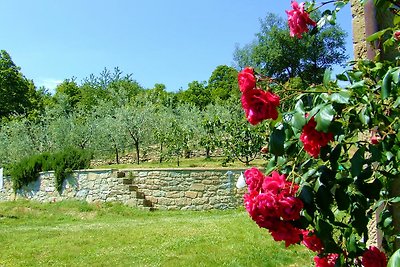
(158,189)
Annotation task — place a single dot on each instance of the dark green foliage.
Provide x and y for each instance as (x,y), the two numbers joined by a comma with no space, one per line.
(68,160)
(27,170)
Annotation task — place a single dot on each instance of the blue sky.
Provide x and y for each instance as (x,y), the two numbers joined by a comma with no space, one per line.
(172,42)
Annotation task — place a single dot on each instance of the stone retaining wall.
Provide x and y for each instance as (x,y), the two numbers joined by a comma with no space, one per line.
(185,189)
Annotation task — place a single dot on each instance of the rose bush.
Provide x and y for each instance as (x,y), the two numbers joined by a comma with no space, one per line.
(333,154)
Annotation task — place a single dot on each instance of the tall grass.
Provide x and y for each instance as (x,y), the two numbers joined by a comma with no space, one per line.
(79,234)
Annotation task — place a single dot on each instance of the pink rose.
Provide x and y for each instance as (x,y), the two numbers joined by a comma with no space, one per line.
(327,261)
(290,207)
(298,20)
(284,231)
(246,79)
(311,241)
(260,105)
(313,140)
(373,257)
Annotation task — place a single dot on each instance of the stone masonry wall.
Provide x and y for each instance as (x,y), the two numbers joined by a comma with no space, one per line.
(194,189)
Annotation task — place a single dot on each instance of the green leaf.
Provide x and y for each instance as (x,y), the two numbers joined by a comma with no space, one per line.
(307,195)
(394,260)
(360,220)
(324,118)
(364,116)
(324,229)
(335,153)
(357,162)
(396,73)
(394,199)
(358,84)
(386,85)
(342,97)
(277,142)
(298,120)
(299,107)
(352,244)
(376,35)
(342,77)
(323,198)
(270,166)
(342,199)
(327,76)
(396,20)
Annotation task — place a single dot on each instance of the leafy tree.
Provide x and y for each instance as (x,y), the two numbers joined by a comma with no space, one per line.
(165,119)
(223,83)
(69,92)
(137,122)
(18,95)
(211,128)
(242,141)
(277,55)
(197,94)
(184,131)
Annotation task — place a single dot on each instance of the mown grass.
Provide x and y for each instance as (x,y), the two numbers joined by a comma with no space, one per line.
(75,233)
(196,162)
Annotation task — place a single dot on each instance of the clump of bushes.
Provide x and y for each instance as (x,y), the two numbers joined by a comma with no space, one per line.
(62,162)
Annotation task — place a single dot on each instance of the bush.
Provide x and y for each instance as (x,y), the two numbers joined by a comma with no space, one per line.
(68,160)
(63,162)
(26,171)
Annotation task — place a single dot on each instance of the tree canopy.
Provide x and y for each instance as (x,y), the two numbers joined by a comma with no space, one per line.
(18,95)
(275,54)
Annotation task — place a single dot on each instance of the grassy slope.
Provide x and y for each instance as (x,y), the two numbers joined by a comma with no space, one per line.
(79,234)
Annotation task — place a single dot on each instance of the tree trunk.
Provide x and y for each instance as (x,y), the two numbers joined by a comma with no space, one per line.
(116,154)
(137,152)
(207,153)
(161,151)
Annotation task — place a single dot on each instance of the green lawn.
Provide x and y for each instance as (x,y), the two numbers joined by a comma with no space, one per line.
(195,162)
(79,234)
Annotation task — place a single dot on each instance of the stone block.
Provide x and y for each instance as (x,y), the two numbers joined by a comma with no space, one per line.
(197,187)
(191,194)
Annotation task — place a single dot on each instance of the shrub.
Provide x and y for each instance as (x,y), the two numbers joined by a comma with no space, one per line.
(63,162)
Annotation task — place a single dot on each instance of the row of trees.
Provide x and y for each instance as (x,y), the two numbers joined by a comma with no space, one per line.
(111,113)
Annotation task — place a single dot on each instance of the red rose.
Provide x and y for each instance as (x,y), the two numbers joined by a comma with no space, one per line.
(274,183)
(290,207)
(261,208)
(311,241)
(396,35)
(313,140)
(327,261)
(260,105)
(254,179)
(375,137)
(373,257)
(278,185)
(246,79)
(286,232)
(298,20)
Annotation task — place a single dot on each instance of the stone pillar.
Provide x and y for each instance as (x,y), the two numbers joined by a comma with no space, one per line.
(358,25)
